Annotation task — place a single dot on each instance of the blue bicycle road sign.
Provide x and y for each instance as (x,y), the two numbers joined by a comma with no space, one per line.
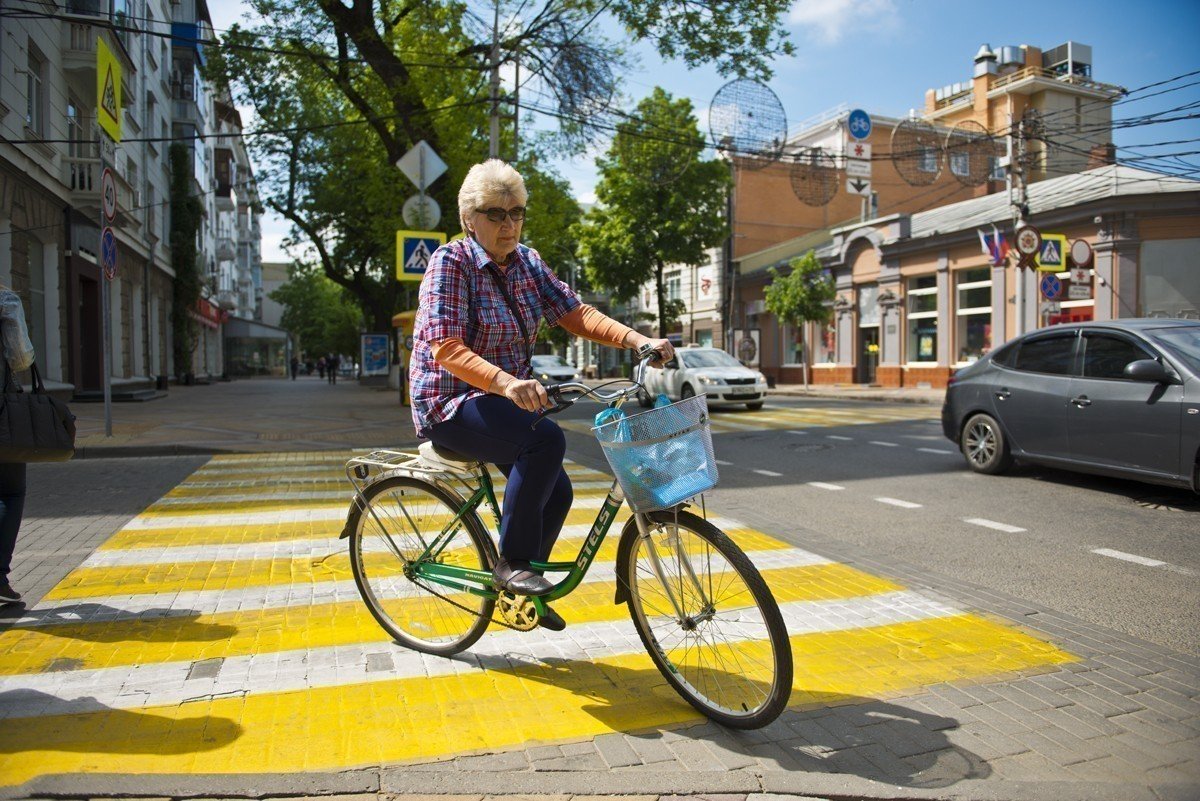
(859,124)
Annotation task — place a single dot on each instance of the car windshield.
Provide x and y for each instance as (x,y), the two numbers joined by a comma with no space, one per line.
(708,358)
(1182,342)
(542,362)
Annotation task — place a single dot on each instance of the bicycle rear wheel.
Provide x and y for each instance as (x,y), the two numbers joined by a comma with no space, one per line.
(729,656)
(402,518)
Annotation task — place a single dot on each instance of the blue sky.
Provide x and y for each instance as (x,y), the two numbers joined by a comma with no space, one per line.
(881,55)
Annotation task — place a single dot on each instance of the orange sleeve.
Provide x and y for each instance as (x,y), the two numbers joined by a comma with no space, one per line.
(463,363)
(585,321)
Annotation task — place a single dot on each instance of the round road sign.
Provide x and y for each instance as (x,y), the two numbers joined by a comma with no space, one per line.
(859,124)
(1081,253)
(108,253)
(108,194)
(1051,286)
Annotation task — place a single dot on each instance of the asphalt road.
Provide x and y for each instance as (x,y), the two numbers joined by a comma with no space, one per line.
(898,493)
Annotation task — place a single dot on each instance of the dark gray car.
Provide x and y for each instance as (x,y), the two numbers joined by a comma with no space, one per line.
(1119,398)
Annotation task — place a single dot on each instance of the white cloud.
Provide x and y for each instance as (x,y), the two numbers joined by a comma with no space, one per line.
(833,19)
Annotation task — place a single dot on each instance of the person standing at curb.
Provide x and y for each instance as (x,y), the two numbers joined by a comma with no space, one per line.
(18,351)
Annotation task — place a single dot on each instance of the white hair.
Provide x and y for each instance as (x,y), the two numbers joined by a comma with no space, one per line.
(487,184)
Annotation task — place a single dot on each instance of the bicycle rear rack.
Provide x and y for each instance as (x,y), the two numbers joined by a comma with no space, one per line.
(363,471)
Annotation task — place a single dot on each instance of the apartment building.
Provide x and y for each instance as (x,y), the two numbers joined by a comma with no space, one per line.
(51,159)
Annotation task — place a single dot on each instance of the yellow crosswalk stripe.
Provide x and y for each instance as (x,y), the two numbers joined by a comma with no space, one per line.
(548,700)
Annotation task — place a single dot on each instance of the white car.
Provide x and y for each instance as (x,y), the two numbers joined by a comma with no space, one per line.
(551,369)
(705,370)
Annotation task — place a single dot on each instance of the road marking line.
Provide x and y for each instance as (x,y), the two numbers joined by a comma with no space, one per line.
(934,450)
(900,503)
(725,463)
(797,432)
(979,521)
(824,486)
(884,444)
(836,436)
(770,473)
(1143,560)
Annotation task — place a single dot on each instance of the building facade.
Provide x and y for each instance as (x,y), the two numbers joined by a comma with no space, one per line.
(52,157)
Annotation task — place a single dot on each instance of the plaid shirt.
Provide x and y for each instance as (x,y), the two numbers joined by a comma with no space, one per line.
(460,299)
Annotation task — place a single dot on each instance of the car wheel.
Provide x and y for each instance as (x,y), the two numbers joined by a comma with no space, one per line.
(984,446)
(754,407)
(644,400)
(687,392)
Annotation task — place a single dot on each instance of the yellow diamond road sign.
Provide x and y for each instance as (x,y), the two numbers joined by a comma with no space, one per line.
(413,249)
(108,90)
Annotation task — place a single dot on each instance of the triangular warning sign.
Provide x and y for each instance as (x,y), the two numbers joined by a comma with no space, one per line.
(108,98)
(419,260)
(1050,254)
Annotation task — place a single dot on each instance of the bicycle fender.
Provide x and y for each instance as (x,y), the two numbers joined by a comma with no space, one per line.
(352,517)
(625,548)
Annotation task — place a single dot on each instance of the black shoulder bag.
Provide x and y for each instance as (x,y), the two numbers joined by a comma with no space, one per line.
(34,426)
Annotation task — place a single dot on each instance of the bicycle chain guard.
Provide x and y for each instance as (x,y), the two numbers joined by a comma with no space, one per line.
(518,611)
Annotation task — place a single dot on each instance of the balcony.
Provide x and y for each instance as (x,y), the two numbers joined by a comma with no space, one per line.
(226,248)
(1030,80)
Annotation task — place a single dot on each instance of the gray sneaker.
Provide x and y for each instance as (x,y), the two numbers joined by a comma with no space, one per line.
(7,594)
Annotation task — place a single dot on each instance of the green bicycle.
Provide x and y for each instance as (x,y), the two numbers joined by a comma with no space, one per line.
(422,558)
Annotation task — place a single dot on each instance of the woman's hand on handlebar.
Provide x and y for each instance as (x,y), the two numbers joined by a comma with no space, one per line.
(529,395)
(664,351)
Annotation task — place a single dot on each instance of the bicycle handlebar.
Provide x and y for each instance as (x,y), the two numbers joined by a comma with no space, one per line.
(555,391)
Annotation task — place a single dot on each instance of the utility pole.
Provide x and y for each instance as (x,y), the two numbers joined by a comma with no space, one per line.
(494,148)
(1017,199)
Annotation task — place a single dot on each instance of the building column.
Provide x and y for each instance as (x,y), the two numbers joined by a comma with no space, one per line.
(946,327)
(6,251)
(999,304)
(52,364)
(1116,265)
(116,365)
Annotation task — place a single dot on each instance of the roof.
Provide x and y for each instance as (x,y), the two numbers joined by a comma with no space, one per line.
(785,251)
(1113,180)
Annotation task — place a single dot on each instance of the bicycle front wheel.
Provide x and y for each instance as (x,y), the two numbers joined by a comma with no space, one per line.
(406,523)
(708,620)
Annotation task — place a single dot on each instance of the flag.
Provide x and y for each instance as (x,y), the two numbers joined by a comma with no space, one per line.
(993,245)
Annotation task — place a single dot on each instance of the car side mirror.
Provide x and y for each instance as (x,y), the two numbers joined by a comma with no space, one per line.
(1150,370)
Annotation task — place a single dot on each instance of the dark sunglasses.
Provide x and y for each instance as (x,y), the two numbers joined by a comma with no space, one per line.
(497,215)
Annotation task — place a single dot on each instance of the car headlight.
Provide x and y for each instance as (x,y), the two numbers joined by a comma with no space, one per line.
(703,379)
(762,379)
(543,375)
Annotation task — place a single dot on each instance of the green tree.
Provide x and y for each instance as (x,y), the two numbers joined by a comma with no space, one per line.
(318,312)
(658,202)
(801,296)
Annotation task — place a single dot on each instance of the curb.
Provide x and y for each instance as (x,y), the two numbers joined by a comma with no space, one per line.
(427,779)
(799,393)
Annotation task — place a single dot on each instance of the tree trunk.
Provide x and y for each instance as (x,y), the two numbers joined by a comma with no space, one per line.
(804,353)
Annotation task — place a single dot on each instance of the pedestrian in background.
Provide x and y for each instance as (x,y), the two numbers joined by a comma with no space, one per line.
(321,366)
(295,364)
(331,364)
(18,355)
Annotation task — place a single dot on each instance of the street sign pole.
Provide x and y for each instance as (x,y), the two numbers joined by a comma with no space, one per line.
(105,297)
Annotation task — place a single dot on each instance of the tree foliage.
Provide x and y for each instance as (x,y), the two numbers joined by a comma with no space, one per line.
(318,312)
(658,202)
(801,296)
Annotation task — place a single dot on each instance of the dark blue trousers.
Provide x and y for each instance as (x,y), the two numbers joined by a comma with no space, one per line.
(12,507)
(492,429)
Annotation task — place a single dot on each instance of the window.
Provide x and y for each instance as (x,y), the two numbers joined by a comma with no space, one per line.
(1051,355)
(1007,356)
(974,313)
(35,92)
(826,344)
(672,286)
(960,163)
(928,161)
(921,297)
(998,173)
(1105,356)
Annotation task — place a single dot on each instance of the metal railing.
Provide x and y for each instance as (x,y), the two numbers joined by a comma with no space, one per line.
(1041,72)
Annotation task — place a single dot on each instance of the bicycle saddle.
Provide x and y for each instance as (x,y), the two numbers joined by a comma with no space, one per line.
(444,457)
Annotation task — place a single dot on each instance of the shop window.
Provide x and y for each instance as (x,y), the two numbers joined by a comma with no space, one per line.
(826,344)
(974,313)
(921,296)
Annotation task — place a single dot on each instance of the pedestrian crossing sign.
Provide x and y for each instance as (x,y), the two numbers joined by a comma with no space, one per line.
(108,90)
(413,251)
(1052,257)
